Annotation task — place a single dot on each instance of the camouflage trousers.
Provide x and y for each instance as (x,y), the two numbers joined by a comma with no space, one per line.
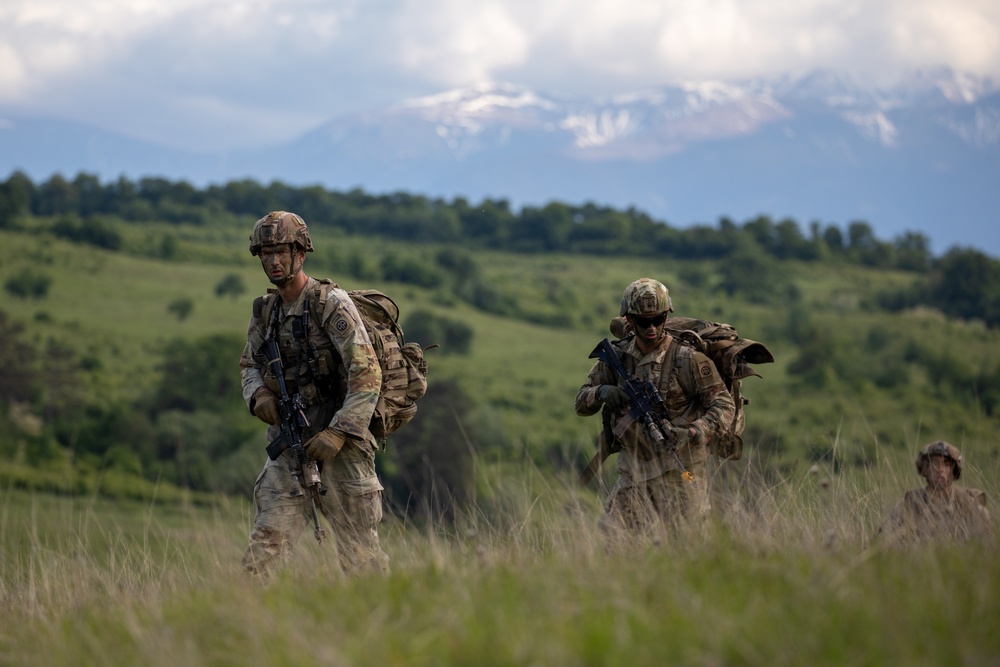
(657,507)
(352,506)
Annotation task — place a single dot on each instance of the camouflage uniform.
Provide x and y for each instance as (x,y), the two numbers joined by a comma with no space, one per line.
(649,489)
(952,513)
(341,389)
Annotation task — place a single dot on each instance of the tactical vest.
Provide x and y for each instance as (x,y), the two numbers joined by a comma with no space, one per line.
(311,363)
(320,374)
(732,356)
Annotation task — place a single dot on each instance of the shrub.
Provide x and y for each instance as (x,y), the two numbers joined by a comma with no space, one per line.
(231,285)
(426,328)
(28,285)
(181,308)
(410,270)
(92,231)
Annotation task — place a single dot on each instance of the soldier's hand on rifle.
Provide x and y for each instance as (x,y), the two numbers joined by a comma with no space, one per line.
(272,383)
(325,445)
(682,435)
(613,396)
(265,406)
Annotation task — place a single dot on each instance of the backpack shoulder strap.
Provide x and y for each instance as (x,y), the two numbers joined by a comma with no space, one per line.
(319,297)
(263,309)
(678,360)
(263,304)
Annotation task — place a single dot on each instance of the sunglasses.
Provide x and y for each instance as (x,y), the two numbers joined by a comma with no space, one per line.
(646,322)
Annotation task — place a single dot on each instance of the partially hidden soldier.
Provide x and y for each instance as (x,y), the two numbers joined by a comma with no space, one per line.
(652,491)
(942,509)
(330,366)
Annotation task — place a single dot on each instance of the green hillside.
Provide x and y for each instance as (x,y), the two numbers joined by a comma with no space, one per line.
(851,383)
(127,456)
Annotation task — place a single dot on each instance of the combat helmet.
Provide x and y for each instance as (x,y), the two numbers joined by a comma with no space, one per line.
(940,448)
(646,297)
(279,228)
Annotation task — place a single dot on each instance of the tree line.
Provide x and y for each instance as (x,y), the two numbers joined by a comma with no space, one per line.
(963,283)
(491,223)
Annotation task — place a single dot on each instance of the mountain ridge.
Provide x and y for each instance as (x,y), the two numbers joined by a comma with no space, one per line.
(921,156)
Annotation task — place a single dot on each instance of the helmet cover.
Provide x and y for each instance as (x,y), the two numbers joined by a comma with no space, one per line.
(940,448)
(646,297)
(280,228)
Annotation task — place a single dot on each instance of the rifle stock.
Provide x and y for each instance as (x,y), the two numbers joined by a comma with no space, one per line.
(645,406)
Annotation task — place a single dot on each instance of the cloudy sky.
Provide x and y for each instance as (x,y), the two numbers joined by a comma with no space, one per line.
(226,73)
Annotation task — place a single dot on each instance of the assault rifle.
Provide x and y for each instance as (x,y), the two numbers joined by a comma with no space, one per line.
(291,409)
(645,406)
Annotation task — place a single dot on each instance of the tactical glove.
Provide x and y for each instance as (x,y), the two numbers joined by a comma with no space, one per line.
(271,383)
(680,436)
(265,407)
(613,396)
(325,445)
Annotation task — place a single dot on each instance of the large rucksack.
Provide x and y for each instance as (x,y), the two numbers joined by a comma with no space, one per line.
(732,356)
(404,369)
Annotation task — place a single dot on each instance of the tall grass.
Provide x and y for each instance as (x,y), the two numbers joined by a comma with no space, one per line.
(788,573)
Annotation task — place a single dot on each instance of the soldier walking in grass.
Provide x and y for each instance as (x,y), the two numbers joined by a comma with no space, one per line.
(652,490)
(330,367)
(942,509)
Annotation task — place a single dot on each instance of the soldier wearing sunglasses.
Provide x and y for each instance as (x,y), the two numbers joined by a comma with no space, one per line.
(651,493)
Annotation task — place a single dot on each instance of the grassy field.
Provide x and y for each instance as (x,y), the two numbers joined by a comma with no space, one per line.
(787,575)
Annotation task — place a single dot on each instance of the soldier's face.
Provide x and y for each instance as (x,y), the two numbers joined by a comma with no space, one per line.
(648,330)
(939,471)
(280,262)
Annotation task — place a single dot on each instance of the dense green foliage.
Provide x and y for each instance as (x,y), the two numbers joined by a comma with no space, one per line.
(965,281)
(81,205)
(28,285)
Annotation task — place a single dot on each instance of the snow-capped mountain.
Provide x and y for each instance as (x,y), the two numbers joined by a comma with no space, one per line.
(639,126)
(649,124)
(924,155)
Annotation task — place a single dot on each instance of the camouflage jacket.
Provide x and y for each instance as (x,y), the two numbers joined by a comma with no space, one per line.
(693,393)
(921,516)
(336,371)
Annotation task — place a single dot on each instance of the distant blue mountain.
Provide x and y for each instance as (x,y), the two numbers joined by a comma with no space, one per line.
(922,157)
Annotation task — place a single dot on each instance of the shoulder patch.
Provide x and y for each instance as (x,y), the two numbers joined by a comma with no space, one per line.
(341,324)
(704,368)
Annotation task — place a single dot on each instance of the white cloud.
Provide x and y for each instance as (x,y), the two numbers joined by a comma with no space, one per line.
(250,70)
(964,35)
(48,40)
(456,42)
